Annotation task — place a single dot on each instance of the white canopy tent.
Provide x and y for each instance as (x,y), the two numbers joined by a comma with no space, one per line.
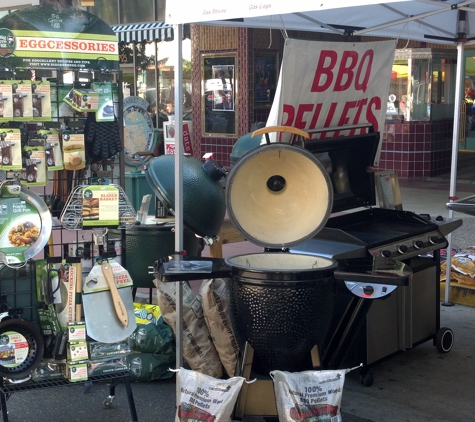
(436,21)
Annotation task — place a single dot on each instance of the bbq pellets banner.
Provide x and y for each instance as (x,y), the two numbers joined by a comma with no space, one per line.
(330,84)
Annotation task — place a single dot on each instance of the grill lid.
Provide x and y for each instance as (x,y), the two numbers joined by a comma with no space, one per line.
(278,195)
(203,197)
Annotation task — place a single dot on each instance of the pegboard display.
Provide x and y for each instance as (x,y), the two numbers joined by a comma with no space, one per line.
(54,150)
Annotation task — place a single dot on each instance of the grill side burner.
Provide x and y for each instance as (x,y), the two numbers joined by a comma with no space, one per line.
(390,233)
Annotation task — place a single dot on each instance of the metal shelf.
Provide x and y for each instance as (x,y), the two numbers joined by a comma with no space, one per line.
(7,389)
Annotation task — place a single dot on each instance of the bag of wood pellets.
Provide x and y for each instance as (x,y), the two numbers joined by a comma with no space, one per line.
(309,395)
(218,319)
(198,349)
(204,398)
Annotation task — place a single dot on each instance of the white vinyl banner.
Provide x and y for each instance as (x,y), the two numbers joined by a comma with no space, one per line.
(330,84)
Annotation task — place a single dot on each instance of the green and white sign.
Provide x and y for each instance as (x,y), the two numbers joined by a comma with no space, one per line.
(67,38)
(7,42)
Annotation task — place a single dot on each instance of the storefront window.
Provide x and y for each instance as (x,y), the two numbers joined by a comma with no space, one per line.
(397,100)
(155,77)
(443,89)
(219,93)
(420,91)
(130,13)
(422,85)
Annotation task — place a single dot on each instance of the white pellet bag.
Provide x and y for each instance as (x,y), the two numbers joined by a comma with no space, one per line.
(309,395)
(204,398)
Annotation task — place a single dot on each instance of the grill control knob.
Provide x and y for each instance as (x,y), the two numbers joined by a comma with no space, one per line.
(418,244)
(402,249)
(368,290)
(386,253)
(434,240)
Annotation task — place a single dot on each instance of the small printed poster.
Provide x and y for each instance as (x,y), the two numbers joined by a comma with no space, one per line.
(223,93)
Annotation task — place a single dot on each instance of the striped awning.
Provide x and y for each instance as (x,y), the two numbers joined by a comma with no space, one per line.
(144,32)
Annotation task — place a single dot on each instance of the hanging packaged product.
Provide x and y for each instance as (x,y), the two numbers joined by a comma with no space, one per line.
(10,148)
(100,206)
(25,223)
(6,101)
(54,156)
(22,100)
(33,172)
(83,100)
(41,100)
(74,155)
(65,309)
(58,106)
(107,91)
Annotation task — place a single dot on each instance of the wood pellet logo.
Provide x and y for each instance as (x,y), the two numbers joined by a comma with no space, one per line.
(7,42)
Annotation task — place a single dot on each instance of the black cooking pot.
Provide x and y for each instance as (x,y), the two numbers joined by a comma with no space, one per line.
(282,304)
(204,207)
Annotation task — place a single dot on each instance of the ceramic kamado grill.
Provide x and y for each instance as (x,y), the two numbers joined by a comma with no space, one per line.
(282,304)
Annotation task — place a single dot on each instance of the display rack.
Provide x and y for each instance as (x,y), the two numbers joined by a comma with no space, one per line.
(18,285)
(6,390)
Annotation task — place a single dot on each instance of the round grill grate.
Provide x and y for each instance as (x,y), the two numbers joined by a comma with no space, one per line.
(35,347)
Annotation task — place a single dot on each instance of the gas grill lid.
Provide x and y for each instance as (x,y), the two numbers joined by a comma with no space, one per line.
(278,195)
(348,161)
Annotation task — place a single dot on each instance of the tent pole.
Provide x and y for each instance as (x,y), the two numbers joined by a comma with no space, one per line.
(453,167)
(179,192)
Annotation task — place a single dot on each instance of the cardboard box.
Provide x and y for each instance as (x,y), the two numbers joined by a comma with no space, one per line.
(77,351)
(77,332)
(76,371)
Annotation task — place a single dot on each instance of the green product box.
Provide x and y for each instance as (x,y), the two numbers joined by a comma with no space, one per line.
(76,371)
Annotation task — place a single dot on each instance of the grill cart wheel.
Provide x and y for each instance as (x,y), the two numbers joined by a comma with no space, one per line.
(444,340)
(366,378)
(107,403)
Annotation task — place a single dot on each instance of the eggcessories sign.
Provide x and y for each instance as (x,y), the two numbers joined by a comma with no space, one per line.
(45,37)
(329,84)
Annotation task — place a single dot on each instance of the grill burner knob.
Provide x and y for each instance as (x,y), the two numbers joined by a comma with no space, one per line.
(434,240)
(368,290)
(402,249)
(418,244)
(386,253)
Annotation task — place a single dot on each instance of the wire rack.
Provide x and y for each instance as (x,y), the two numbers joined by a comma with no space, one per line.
(6,387)
(72,215)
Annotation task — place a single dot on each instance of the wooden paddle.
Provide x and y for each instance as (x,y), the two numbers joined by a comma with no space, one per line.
(116,299)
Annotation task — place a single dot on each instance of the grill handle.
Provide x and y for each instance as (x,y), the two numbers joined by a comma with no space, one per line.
(379,277)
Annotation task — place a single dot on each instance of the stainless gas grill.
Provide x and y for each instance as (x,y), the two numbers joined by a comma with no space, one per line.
(358,229)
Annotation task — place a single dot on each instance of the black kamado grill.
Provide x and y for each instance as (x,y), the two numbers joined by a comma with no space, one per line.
(282,304)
